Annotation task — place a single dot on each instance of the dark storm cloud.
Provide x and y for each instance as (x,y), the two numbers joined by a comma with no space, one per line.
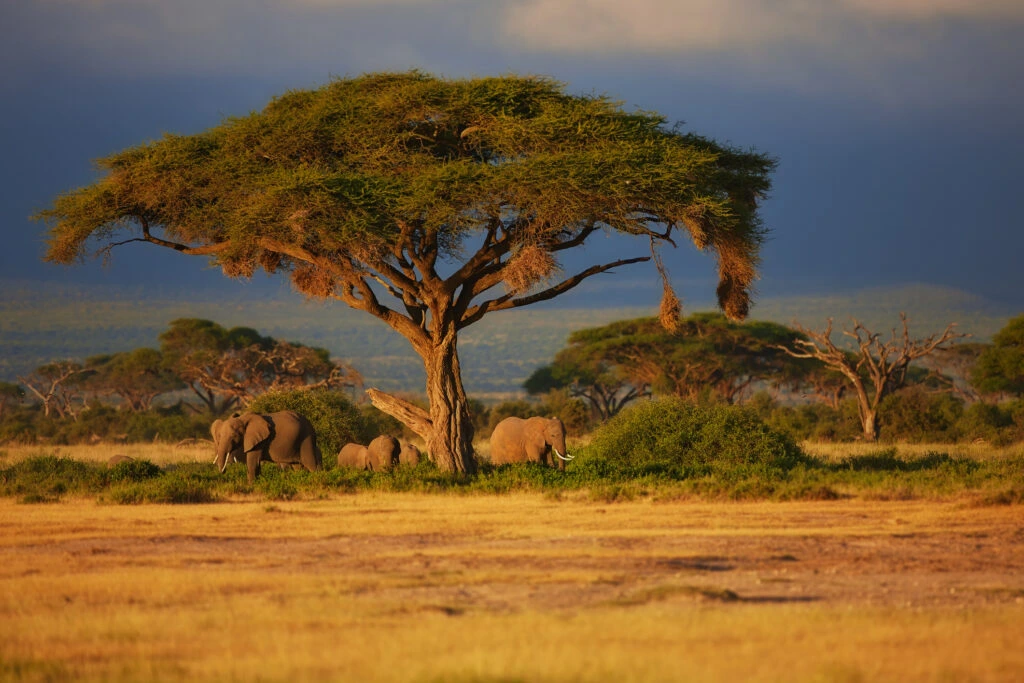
(895,122)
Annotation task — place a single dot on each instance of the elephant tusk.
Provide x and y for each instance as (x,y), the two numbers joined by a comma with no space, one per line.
(565,457)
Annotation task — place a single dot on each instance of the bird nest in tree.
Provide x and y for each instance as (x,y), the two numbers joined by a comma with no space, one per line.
(313,281)
(530,266)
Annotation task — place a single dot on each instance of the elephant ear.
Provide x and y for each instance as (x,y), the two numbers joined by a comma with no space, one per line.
(215,430)
(256,432)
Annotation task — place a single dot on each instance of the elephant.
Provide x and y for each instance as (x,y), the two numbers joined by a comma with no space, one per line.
(353,455)
(408,454)
(529,440)
(116,460)
(237,455)
(383,453)
(284,437)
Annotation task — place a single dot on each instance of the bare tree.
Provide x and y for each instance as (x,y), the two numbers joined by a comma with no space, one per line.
(54,385)
(876,368)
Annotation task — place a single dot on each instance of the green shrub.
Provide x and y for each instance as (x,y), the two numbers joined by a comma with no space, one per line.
(48,477)
(676,439)
(133,470)
(917,416)
(333,416)
(373,423)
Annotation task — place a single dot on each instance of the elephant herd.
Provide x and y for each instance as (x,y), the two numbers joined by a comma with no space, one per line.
(289,439)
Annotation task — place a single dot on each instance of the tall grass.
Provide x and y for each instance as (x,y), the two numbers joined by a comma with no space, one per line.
(882,474)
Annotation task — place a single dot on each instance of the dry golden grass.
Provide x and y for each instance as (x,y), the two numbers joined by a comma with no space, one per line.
(157,453)
(978,451)
(405,587)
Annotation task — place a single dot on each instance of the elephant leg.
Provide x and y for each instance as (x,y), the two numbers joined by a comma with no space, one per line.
(253,463)
(307,455)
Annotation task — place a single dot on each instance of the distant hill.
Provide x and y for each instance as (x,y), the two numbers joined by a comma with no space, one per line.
(41,323)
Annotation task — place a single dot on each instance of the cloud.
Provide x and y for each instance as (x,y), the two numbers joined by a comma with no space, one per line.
(930,50)
(674,26)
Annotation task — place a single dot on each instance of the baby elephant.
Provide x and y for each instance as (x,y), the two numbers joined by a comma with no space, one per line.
(409,454)
(354,455)
(380,456)
(284,437)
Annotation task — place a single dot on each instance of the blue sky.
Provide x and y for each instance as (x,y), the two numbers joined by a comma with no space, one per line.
(898,124)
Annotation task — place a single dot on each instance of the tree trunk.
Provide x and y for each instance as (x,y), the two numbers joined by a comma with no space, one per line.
(868,422)
(451,440)
(448,426)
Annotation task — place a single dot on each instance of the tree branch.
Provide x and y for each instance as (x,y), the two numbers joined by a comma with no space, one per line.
(507,301)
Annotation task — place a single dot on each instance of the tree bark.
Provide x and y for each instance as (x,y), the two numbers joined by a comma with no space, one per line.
(451,441)
(448,427)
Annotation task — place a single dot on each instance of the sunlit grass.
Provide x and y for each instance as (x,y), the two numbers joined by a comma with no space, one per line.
(157,453)
(833,452)
(410,587)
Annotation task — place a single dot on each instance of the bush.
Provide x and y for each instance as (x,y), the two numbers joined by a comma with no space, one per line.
(48,477)
(917,416)
(133,470)
(333,416)
(993,423)
(681,440)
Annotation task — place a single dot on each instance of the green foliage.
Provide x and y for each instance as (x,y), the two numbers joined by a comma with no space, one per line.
(882,475)
(916,415)
(133,470)
(332,415)
(350,162)
(168,424)
(183,485)
(1000,367)
(707,357)
(373,423)
(45,478)
(680,439)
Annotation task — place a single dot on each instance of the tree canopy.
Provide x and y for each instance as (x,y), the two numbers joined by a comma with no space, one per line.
(1000,367)
(707,355)
(239,364)
(427,203)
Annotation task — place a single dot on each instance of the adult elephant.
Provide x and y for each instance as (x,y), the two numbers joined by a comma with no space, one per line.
(237,455)
(285,437)
(353,455)
(383,452)
(530,440)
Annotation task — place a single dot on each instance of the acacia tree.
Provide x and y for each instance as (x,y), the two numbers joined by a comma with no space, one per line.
(581,369)
(706,353)
(137,376)
(876,368)
(238,364)
(427,203)
(1000,367)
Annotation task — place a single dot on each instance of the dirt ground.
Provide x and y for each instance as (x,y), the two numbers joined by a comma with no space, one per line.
(495,557)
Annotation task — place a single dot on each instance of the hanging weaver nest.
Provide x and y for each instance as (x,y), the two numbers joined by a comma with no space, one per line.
(313,281)
(670,310)
(528,267)
(736,273)
(242,266)
(699,226)
(270,261)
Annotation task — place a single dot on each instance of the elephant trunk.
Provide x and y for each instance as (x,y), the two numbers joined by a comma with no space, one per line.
(222,460)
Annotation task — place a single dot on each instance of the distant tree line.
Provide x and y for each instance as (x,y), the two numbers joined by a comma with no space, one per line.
(220,369)
(889,386)
(893,387)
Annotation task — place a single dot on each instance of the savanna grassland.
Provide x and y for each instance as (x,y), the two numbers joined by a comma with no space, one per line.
(545,585)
